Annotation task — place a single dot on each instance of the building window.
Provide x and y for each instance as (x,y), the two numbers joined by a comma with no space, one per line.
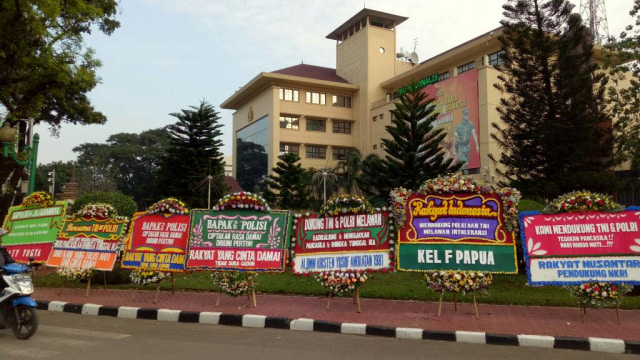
(466,67)
(444,75)
(381,116)
(375,118)
(316,152)
(316,98)
(289,122)
(316,125)
(341,101)
(375,146)
(289,95)
(342,127)
(289,148)
(497,58)
(339,153)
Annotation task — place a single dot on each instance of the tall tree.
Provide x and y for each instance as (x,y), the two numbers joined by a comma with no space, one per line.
(193,155)
(623,62)
(131,160)
(288,186)
(552,102)
(414,151)
(46,70)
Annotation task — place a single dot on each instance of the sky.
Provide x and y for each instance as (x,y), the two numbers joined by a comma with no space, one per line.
(169,55)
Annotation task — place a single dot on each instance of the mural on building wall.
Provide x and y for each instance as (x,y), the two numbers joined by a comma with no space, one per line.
(456,101)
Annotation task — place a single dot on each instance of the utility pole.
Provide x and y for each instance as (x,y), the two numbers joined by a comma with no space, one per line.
(52,180)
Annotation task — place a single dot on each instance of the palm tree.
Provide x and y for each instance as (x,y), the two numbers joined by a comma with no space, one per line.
(350,168)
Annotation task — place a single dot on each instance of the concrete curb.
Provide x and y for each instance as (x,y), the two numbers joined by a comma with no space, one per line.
(260,321)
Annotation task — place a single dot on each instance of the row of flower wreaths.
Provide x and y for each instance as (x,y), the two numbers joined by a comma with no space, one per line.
(234,283)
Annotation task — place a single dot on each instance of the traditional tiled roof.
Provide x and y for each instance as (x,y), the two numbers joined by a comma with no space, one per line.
(312,72)
(232,185)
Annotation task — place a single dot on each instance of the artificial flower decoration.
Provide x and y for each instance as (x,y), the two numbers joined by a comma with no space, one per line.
(346,204)
(582,201)
(98,210)
(38,198)
(234,283)
(70,274)
(453,183)
(144,277)
(457,281)
(510,198)
(399,198)
(338,282)
(242,200)
(599,294)
(168,205)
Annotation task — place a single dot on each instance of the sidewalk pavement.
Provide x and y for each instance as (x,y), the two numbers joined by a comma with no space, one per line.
(503,324)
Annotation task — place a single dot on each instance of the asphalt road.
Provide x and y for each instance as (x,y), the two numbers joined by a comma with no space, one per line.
(70,336)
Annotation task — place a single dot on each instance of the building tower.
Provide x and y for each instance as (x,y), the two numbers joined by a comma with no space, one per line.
(594,14)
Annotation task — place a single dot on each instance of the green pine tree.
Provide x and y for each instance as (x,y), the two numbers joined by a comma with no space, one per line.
(193,154)
(288,186)
(414,151)
(553,126)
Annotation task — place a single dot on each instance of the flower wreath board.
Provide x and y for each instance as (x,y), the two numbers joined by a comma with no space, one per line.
(158,238)
(33,227)
(345,242)
(456,231)
(453,224)
(238,240)
(89,239)
(575,247)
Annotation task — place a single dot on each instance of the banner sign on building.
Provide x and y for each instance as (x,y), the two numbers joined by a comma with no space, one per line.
(456,101)
(32,231)
(157,242)
(88,243)
(342,242)
(573,248)
(456,232)
(239,240)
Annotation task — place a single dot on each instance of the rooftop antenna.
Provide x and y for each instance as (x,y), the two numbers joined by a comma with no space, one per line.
(594,13)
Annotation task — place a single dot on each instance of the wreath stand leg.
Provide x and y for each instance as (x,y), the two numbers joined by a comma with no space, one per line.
(440,302)
(104,277)
(329,296)
(253,296)
(253,293)
(218,301)
(618,313)
(356,298)
(157,292)
(583,312)
(134,292)
(173,285)
(455,302)
(475,305)
(88,287)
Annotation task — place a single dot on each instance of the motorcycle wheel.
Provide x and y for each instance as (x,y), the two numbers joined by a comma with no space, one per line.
(26,324)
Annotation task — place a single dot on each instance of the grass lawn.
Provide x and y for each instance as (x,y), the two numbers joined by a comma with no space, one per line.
(506,289)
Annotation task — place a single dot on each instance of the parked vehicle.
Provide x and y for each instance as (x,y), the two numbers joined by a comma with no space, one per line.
(17,308)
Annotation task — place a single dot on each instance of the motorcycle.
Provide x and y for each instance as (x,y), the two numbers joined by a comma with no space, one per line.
(17,308)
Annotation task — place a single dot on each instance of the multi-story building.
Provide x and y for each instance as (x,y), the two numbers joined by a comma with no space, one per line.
(320,113)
